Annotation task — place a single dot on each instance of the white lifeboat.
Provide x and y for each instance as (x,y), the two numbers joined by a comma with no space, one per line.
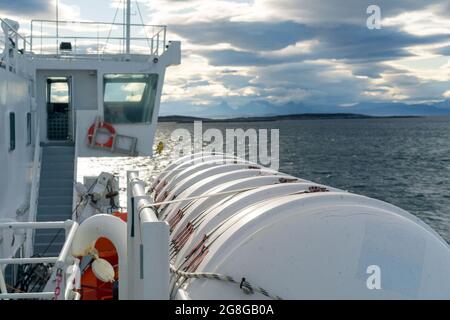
(271,235)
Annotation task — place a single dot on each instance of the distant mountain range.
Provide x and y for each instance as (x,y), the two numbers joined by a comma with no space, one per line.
(261,108)
(304,116)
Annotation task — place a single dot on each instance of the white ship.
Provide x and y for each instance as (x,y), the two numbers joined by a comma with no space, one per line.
(211,226)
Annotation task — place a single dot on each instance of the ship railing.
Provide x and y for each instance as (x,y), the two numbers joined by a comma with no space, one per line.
(148,245)
(13,46)
(22,45)
(65,266)
(95,39)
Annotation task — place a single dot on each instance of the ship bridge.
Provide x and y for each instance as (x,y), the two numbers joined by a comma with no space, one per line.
(83,74)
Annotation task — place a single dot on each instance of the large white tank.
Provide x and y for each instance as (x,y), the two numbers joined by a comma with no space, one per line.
(294,239)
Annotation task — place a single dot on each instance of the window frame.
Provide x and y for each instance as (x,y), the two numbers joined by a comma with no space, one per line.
(145,95)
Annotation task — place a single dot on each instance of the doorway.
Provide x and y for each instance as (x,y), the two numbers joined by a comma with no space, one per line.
(59,98)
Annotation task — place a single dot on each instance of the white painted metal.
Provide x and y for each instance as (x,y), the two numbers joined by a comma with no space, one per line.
(320,246)
(148,246)
(171,167)
(214,216)
(33,225)
(3,288)
(209,185)
(28,260)
(63,262)
(29,296)
(172,191)
(195,208)
(188,167)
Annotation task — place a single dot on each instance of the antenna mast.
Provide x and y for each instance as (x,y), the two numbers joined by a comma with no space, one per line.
(128,26)
(57,26)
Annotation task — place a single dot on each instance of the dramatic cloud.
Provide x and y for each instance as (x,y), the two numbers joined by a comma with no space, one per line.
(25,6)
(313,51)
(309,51)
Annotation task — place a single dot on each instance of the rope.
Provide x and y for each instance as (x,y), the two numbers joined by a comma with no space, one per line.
(150,206)
(143,25)
(244,285)
(112,26)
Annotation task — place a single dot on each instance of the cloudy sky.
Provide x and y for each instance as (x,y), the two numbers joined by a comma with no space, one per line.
(310,51)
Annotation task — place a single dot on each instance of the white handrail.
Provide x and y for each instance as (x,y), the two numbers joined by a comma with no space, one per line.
(33,295)
(33,225)
(66,250)
(23,38)
(62,262)
(18,261)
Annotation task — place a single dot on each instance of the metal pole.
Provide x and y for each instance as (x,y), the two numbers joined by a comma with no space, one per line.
(165,38)
(31,38)
(3,289)
(32,295)
(128,26)
(19,261)
(57,26)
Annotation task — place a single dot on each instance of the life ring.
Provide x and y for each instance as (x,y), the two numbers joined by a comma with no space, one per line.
(109,128)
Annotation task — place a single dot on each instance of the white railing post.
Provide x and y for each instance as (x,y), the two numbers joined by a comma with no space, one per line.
(152,258)
(157,43)
(132,225)
(2,282)
(165,38)
(155,260)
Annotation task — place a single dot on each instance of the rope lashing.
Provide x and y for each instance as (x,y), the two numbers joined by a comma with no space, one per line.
(156,204)
(312,189)
(244,285)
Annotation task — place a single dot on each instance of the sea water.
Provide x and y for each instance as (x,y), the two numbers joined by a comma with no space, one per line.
(403,161)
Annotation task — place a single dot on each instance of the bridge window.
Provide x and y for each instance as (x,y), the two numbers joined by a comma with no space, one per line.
(129,98)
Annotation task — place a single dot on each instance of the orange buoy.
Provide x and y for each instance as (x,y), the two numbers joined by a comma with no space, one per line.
(109,128)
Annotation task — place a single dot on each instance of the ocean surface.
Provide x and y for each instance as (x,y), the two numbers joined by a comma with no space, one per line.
(403,161)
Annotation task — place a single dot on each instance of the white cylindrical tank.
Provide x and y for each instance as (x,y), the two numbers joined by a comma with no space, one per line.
(296,240)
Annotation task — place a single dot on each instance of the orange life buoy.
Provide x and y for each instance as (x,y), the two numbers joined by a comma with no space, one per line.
(109,128)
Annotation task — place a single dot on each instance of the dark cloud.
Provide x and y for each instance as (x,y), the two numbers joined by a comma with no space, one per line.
(262,36)
(25,6)
(349,11)
(360,44)
(445,51)
(239,58)
(354,45)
